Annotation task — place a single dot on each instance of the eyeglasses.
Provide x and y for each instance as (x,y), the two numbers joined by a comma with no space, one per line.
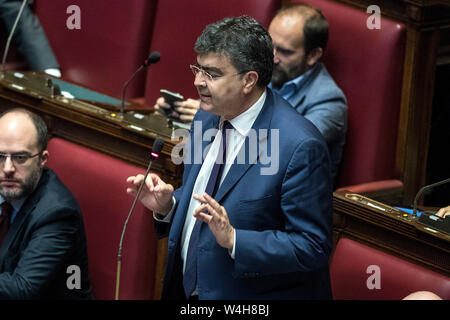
(17,158)
(206,75)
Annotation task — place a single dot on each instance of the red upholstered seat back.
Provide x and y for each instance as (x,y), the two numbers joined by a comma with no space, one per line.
(353,265)
(367,65)
(112,43)
(178,23)
(99,183)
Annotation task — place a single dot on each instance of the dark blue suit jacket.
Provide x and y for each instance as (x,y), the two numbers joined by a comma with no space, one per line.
(282,219)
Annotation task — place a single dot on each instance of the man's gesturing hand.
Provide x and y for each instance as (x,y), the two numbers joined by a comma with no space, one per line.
(156,195)
(217,220)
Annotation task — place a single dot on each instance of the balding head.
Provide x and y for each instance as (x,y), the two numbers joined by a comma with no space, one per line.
(313,23)
(21,121)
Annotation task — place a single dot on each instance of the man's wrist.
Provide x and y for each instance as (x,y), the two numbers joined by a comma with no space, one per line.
(167,209)
(165,217)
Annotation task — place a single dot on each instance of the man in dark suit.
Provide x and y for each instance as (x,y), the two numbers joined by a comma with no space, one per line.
(43,252)
(252,219)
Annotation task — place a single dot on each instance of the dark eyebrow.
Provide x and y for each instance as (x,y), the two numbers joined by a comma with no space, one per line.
(210,69)
(283,50)
(19,153)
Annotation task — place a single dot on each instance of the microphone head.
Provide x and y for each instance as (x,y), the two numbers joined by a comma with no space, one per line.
(154,57)
(157,147)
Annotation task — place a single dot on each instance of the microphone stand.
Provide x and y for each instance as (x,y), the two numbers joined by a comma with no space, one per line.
(154,154)
(8,42)
(423,189)
(122,105)
(152,58)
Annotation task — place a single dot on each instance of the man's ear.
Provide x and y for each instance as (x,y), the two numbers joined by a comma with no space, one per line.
(313,57)
(250,80)
(44,157)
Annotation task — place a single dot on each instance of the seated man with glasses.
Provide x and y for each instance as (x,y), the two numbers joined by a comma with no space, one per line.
(41,226)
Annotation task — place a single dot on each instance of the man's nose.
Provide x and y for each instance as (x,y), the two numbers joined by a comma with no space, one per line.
(276,59)
(199,80)
(8,165)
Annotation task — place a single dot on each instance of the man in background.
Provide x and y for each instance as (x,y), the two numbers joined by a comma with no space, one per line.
(29,37)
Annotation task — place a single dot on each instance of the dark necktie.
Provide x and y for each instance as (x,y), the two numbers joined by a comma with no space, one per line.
(5,218)
(190,273)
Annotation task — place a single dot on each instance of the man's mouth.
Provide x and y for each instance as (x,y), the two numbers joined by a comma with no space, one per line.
(9,182)
(204,97)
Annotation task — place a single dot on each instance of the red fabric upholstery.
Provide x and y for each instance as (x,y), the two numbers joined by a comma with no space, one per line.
(367,65)
(178,23)
(398,278)
(99,183)
(373,186)
(112,43)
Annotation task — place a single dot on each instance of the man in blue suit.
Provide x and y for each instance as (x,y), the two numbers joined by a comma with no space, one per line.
(264,229)
(300,34)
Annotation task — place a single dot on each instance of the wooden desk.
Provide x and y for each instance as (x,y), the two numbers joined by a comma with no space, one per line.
(100,128)
(389,231)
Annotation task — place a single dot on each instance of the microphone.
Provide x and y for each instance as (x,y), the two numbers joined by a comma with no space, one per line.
(8,42)
(154,57)
(156,149)
(425,188)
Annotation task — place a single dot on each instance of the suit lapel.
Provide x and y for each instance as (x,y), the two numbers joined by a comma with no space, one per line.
(297,100)
(21,217)
(237,171)
(198,144)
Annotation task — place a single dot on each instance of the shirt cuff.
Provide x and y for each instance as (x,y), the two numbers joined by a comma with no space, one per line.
(233,251)
(168,216)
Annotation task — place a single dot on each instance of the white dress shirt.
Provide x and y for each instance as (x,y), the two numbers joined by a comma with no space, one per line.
(235,139)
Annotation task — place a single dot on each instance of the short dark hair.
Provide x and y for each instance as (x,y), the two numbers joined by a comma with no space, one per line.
(315,29)
(244,41)
(39,124)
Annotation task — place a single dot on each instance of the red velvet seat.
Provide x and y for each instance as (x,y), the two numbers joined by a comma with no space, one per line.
(367,65)
(352,267)
(177,26)
(99,183)
(112,43)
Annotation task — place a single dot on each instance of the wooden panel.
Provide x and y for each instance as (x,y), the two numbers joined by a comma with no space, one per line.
(390,232)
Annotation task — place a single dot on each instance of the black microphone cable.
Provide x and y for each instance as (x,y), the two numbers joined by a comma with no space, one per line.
(156,149)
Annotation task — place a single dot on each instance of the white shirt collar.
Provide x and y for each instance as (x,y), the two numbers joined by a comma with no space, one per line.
(244,122)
